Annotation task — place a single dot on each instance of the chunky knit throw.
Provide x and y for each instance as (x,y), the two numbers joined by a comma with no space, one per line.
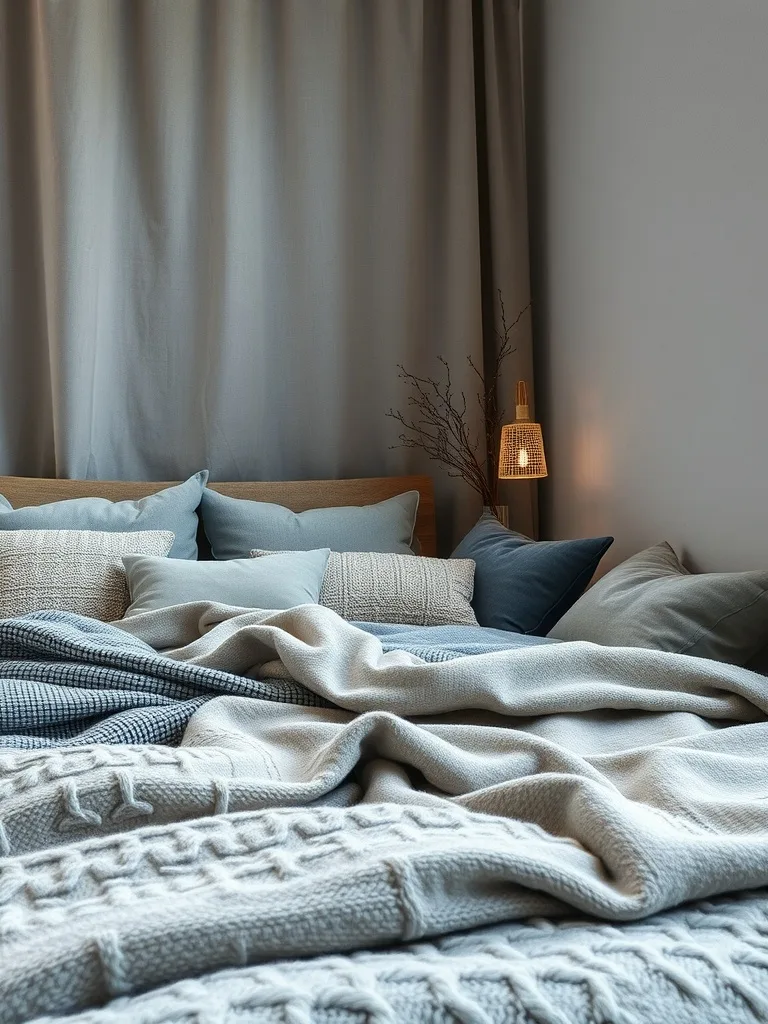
(500,794)
(702,964)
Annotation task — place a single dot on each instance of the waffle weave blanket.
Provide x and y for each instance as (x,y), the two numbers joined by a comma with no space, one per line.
(66,680)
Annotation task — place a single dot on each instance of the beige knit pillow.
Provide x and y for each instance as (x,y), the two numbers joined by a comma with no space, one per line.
(365,586)
(71,570)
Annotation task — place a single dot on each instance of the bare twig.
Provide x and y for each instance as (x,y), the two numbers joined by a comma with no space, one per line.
(438,421)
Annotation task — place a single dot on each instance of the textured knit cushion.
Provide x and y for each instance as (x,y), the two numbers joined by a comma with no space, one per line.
(282,582)
(173,508)
(70,570)
(235,526)
(367,586)
(651,600)
(524,585)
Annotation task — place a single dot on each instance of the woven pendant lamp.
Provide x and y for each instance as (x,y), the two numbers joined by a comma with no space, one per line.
(521,456)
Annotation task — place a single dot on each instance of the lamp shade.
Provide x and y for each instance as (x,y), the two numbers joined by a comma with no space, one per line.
(521,456)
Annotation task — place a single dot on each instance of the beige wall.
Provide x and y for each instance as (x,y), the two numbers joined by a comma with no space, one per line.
(648,177)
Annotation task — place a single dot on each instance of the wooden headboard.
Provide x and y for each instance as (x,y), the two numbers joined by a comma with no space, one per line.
(294,494)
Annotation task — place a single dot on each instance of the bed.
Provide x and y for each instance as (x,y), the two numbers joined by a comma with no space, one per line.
(212,814)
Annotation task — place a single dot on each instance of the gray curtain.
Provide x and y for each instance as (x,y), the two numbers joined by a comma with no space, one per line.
(223,224)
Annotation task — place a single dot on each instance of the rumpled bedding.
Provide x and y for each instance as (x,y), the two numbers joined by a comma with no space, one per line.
(67,680)
(328,797)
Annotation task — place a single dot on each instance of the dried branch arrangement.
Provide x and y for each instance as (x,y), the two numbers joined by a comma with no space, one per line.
(437,420)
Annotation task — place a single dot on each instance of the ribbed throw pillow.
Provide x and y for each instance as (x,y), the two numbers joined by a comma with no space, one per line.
(368,586)
(71,570)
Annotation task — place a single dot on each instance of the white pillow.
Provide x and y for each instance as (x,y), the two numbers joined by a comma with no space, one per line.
(369,586)
(71,570)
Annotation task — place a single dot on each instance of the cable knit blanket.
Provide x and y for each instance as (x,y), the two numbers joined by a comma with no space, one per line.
(702,964)
(415,800)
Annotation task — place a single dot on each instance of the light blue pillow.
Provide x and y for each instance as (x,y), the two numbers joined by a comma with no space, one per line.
(523,585)
(280,581)
(235,526)
(174,509)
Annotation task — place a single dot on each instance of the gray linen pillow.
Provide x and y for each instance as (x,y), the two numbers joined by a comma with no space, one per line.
(284,582)
(651,600)
(366,586)
(235,526)
(173,508)
(71,570)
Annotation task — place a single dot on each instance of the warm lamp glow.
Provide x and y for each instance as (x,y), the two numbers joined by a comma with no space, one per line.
(521,456)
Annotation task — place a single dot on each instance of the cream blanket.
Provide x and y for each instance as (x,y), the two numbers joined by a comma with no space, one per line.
(433,797)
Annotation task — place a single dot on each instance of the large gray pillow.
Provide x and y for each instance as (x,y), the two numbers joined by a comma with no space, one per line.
(272,583)
(652,600)
(235,526)
(173,509)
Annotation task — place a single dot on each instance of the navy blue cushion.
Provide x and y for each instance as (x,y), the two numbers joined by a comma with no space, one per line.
(523,585)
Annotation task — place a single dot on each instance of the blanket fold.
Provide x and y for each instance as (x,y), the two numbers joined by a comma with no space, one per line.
(399,800)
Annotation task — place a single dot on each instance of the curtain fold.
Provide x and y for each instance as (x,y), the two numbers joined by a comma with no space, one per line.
(224,224)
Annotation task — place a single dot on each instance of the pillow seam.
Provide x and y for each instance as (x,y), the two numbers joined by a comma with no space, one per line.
(564,594)
(709,630)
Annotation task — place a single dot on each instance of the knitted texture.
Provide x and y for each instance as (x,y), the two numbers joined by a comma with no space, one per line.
(74,570)
(100,920)
(69,680)
(430,799)
(705,963)
(408,589)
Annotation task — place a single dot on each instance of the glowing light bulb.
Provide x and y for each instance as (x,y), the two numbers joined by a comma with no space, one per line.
(522,458)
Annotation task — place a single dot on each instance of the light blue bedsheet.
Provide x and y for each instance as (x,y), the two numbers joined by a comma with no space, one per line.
(441,643)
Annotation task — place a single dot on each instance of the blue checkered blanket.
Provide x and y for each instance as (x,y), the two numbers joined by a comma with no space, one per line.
(67,680)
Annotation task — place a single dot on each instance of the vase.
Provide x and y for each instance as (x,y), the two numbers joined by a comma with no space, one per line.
(501,512)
